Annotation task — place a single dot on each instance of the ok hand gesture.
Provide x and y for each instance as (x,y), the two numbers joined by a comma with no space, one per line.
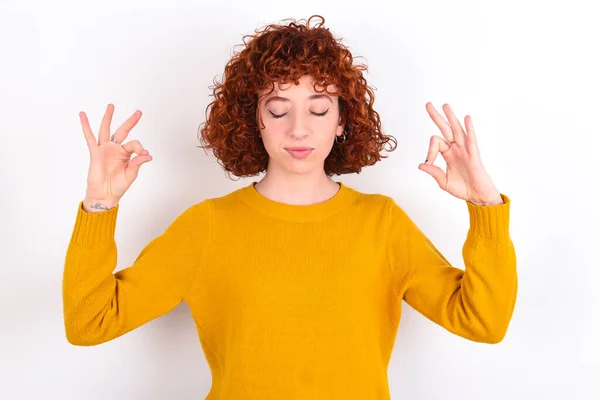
(111,171)
(465,178)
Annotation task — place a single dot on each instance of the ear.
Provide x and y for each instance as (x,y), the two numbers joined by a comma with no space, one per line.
(340,128)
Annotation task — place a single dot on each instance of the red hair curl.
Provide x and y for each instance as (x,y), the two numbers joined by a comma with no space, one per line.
(284,53)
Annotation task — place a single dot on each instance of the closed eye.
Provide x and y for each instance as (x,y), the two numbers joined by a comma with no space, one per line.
(313,113)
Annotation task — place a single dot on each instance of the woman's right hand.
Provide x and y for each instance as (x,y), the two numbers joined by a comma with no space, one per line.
(111,171)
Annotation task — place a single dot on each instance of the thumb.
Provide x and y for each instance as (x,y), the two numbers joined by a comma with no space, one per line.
(133,168)
(436,172)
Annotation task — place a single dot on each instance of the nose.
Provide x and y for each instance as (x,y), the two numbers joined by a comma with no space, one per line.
(300,128)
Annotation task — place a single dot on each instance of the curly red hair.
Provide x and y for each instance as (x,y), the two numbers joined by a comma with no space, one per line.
(284,53)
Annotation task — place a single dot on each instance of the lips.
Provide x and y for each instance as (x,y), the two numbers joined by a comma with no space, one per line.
(299,152)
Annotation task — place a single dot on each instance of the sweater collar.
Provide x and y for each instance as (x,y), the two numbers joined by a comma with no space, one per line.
(298,213)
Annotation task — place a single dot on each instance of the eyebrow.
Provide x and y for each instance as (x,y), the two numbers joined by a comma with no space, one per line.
(312,97)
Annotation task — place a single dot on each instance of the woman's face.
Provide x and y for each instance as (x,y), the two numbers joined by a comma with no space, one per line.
(297,111)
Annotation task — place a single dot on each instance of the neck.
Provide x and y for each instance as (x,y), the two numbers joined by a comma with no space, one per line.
(294,212)
(297,189)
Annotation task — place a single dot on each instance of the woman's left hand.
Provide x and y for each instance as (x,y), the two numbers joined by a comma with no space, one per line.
(465,178)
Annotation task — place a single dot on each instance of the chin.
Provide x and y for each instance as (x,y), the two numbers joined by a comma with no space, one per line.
(299,167)
(305,168)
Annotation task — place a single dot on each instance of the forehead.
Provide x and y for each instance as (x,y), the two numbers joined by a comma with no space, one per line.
(305,85)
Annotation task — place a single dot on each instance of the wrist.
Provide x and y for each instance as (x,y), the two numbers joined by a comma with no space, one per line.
(92,205)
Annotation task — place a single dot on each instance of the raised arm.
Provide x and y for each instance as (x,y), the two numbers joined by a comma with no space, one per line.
(100,305)
(476,303)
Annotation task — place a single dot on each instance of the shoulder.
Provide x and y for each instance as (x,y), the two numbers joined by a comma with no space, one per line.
(372,203)
(371,198)
(199,209)
(210,206)
(386,207)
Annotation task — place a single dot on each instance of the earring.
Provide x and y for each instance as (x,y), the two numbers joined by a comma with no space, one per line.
(344,135)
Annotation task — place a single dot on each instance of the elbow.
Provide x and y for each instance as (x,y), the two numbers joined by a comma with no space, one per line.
(79,339)
(75,339)
(497,328)
(490,331)
(495,335)
(494,338)
(73,332)
(78,336)
(90,333)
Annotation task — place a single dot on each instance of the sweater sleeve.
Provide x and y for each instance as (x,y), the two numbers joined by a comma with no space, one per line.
(100,304)
(476,303)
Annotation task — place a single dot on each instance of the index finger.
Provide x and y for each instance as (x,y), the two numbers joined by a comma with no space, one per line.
(123,131)
(87,131)
(440,122)
(104,134)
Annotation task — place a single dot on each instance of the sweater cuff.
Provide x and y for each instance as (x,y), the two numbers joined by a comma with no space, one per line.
(490,221)
(92,229)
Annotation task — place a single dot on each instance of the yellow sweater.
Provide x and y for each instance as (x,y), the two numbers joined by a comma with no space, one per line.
(292,302)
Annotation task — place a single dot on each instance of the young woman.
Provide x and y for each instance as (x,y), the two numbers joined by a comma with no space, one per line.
(296,281)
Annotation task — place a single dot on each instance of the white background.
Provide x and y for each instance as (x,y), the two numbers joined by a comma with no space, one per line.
(526,71)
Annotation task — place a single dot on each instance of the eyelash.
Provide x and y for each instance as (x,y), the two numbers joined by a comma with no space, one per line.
(317,114)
